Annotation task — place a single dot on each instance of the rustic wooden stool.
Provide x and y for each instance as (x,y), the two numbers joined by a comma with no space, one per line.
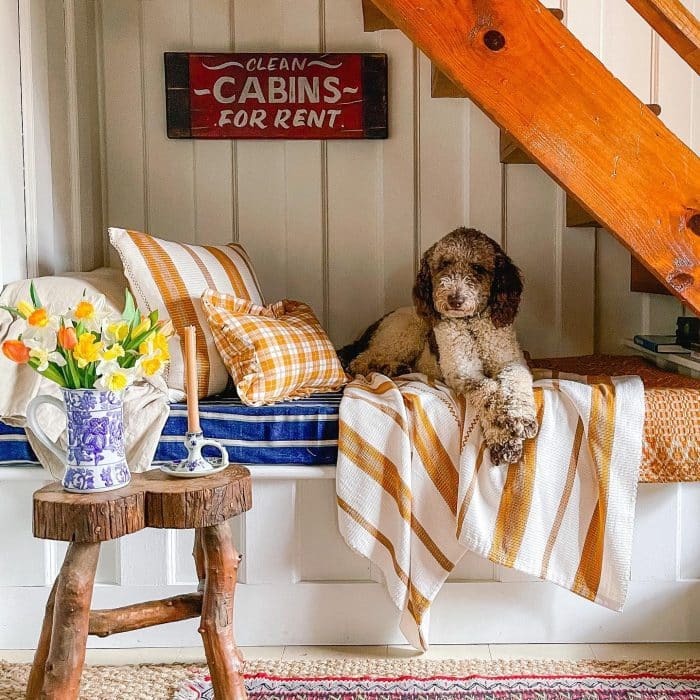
(150,500)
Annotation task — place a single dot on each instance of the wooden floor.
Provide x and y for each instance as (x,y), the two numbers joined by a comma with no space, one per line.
(603,652)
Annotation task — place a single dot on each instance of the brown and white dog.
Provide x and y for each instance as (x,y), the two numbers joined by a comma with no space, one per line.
(460,331)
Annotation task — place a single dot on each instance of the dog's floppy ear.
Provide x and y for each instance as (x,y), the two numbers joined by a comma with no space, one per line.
(506,288)
(423,291)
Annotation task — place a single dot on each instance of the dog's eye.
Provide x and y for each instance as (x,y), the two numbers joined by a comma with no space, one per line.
(445,262)
(479,269)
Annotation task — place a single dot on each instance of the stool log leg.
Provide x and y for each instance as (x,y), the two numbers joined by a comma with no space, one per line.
(223,656)
(36,676)
(71,617)
(198,554)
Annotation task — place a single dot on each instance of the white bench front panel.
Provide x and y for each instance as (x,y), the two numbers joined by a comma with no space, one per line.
(300,583)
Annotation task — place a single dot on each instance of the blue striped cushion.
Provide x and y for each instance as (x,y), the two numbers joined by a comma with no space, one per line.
(295,432)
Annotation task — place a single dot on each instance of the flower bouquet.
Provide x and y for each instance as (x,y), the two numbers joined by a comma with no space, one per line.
(93,354)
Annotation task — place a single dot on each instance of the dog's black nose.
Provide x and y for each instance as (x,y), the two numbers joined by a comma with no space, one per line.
(455,301)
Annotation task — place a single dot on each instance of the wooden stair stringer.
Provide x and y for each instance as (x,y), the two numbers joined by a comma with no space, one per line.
(676,24)
(578,122)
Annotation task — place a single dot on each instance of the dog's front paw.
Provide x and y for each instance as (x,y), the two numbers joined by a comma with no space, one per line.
(517,423)
(509,452)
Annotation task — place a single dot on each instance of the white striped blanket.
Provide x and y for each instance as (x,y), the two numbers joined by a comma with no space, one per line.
(416,488)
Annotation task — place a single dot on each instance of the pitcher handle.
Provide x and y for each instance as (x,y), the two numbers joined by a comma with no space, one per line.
(33,423)
(220,447)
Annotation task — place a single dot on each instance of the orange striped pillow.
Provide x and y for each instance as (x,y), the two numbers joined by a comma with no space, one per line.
(171,277)
(274,352)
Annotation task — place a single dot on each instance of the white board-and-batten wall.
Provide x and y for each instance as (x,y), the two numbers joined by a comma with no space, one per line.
(338,224)
(341,225)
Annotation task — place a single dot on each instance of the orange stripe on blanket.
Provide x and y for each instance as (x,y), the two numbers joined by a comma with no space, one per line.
(516,499)
(470,490)
(601,430)
(382,470)
(179,305)
(437,462)
(377,466)
(564,501)
(377,534)
(394,415)
(417,603)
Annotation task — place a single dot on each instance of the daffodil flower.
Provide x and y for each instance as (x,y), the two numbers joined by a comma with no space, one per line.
(114,352)
(44,355)
(25,309)
(42,325)
(87,350)
(115,332)
(91,312)
(141,328)
(114,378)
(157,344)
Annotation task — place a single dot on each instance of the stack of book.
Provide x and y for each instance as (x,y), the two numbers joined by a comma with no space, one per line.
(663,344)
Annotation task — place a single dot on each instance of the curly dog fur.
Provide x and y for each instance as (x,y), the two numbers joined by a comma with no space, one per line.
(460,331)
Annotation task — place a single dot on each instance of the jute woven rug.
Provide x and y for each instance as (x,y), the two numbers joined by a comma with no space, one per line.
(361,679)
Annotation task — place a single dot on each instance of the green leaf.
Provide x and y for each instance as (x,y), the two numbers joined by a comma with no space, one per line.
(129,307)
(153,317)
(13,312)
(35,297)
(73,373)
(54,374)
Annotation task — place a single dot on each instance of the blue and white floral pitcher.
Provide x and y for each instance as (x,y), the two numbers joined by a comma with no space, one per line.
(95,460)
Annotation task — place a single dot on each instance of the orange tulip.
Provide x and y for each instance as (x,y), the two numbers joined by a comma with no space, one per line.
(67,339)
(16,351)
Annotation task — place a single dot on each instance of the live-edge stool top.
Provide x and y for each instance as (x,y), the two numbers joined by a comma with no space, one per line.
(152,499)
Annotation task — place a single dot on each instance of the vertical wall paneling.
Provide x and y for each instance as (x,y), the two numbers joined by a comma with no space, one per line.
(304,176)
(355,248)
(85,163)
(212,30)
(398,186)
(261,164)
(485,175)
(531,240)
(123,127)
(444,164)
(13,263)
(166,26)
(57,244)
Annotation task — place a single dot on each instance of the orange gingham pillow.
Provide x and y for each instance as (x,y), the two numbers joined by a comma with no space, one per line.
(274,352)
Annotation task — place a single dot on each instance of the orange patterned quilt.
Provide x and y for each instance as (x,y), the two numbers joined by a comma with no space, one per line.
(671,450)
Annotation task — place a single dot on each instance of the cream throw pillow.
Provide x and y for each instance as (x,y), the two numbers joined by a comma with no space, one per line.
(171,277)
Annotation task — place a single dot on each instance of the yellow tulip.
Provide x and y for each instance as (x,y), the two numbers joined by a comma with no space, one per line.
(87,350)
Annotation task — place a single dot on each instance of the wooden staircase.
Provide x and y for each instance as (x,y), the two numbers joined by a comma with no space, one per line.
(623,169)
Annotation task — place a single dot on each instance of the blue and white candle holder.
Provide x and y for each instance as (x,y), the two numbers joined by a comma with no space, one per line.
(196,464)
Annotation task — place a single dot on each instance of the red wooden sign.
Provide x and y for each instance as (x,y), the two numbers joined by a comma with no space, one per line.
(276,95)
